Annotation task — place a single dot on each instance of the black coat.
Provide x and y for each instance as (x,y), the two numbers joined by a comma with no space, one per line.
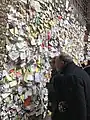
(51,92)
(72,87)
(87,69)
(50,86)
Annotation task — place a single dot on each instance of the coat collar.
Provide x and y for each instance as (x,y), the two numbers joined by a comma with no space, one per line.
(87,67)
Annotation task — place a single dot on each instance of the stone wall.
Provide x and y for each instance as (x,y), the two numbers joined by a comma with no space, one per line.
(3,24)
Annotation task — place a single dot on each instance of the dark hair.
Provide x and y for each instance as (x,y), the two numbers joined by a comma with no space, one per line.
(65,57)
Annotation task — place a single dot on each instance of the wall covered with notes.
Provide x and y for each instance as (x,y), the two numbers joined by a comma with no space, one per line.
(36,31)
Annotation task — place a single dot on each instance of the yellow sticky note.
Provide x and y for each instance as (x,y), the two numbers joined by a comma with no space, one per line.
(39,61)
(22,97)
(34,35)
(16,30)
(9,78)
(37,70)
(49,113)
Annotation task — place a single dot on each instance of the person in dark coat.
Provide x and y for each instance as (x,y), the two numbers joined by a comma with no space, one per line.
(72,86)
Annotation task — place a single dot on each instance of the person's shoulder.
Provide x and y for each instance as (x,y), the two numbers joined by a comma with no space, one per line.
(58,75)
(64,78)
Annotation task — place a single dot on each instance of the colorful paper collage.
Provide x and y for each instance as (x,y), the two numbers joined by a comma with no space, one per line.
(36,31)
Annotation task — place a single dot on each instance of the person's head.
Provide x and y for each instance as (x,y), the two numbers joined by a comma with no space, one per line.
(62,60)
(52,63)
